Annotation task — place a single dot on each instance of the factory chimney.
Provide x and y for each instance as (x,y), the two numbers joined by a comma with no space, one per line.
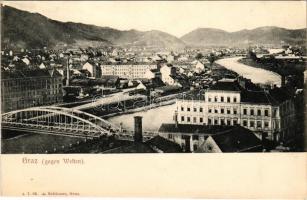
(187,144)
(138,137)
(67,72)
(263,137)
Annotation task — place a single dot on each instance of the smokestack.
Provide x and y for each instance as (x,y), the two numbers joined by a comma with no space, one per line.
(263,137)
(138,137)
(67,73)
(187,144)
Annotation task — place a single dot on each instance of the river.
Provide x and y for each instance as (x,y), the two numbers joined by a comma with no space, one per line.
(257,75)
(152,119)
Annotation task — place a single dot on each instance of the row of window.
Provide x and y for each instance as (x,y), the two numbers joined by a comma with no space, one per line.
(254,112)
(222,121)
(222,99)
(194,109)
(192,119)
(258,124)
(223,111)
(228,111)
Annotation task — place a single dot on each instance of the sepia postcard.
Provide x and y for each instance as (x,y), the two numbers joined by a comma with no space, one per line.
(182,99)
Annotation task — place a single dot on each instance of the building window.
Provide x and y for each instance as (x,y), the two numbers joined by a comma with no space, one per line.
(252,124)
(234,99)
(188,109)
(209,99)
(188,119)
(215,111)
(194,147)
(222,99)
(222,122)
(209,110)
(201,120)
(266,124)
(244,122)
(194,119)
(170,136)
(209,121)
(259,112)
(228,122)
(228,99)
(235,122)
(266,113)
(182,118)
(234,111)
(215,122)
(252,111)
(258,124)
(244,111)
(200,109)
(222,110)
(195,109)
(215,99)
(228,111)
(182,108)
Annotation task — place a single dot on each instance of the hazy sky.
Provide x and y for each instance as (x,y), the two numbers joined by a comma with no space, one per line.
(177,18)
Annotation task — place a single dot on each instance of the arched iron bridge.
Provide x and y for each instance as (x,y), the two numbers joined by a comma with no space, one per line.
(59,121)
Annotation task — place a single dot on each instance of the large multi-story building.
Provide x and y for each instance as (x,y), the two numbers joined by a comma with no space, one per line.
(23,89)
(127,70)
(229,103)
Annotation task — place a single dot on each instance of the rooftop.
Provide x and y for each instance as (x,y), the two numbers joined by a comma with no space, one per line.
(226,86)
(238,139)
(133,148)
(273,97)
(194,129)
(164,145)
(30,73)
(154,145)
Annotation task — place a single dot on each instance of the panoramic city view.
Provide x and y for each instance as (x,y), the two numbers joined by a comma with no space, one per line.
(107,77)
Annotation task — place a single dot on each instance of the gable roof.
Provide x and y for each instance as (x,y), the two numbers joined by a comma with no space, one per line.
(30,73)
(164,145)
(238,139)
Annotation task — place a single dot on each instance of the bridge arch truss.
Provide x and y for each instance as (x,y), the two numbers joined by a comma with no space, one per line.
(57,120)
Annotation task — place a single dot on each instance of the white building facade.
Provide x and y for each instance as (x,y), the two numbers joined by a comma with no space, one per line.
(232,107)
(129,71)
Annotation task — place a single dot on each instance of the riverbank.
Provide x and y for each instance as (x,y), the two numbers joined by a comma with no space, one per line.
(257,75)
(140,109)
(292,70)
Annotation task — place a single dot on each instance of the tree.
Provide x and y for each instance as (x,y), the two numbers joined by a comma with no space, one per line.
(199,56)
(252,55)
(211,58)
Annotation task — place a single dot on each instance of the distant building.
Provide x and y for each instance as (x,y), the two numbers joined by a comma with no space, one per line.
(127,70)
(167,71)
(93,69)
(228,103)
(23,89)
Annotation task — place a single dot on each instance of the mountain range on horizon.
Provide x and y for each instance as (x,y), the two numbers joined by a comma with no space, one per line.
(23,29)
